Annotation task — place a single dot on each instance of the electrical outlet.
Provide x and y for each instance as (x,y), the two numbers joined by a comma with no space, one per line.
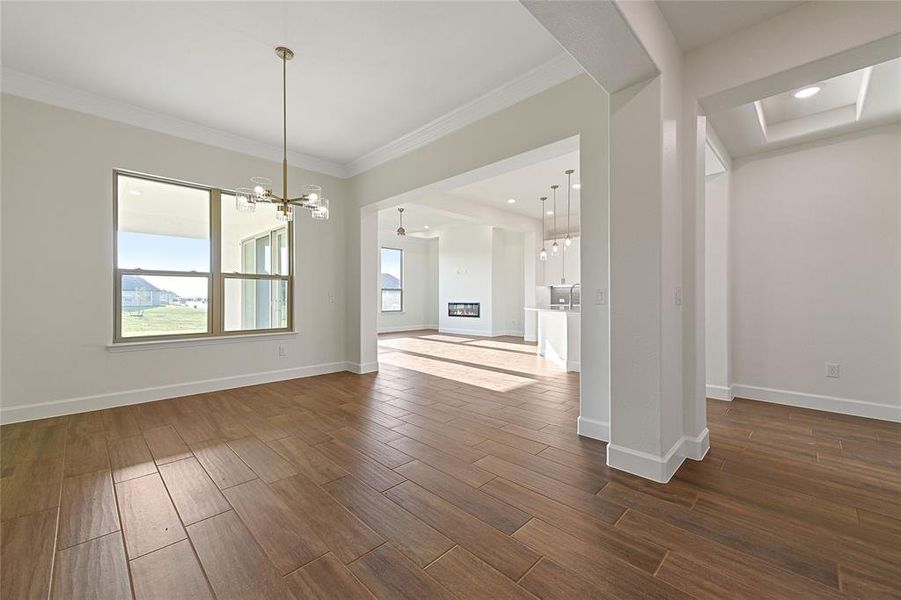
(283,351)
(600,297)
(677,296)
(833,370)
(331,298)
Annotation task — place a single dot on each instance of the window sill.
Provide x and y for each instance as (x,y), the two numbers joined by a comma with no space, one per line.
(205,341)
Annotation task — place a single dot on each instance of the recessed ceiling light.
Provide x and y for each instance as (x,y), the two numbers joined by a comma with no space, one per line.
(511,200)
(576,186)
(550,212)
(807,92)
(135,192)
(426,226)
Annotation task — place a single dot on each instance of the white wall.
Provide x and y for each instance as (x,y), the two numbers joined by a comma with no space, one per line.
(816,274)
(717,290)
(578,107)
(57,168)
(420,309)
(478,263)
(509,283)
(464,275)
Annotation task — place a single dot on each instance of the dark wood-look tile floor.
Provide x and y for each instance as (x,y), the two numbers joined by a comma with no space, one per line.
(453,472)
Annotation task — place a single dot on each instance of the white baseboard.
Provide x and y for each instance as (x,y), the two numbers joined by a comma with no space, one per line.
(597,430)
(574,366)
(846,406)
(68,406)
(720,392)
(530,338)
(658,468)
(402,328)
(360,369)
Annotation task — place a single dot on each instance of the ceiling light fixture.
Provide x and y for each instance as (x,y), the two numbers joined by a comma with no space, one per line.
(425,226)
(576,186)
(554,246)
(400,230)
(511,200)
(246,199)
(542,255)
(135,192)
(807,92)
(550,212)
(568,241)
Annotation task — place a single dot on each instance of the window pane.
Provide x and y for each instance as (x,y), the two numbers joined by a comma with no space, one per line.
(162,226)
(391,268)
(259,229)
(255,304)
(154,305)
(391,300)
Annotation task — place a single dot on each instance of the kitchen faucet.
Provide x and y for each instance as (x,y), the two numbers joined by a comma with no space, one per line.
(572,293)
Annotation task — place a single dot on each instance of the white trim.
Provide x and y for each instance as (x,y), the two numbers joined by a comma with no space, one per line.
(845,406)
(361,369)
(190,343)
(401,328)
(49,92)
(596,430)
(720,392)
(68,406)
(658,468)
(696,448)
(539,79)
(573,366)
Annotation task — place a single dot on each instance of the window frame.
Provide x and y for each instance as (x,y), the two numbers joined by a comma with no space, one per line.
(400,289)
(215,277)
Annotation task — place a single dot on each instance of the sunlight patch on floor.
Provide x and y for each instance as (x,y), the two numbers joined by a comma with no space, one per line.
(523,348)
(445,338)
(483,378)
(530,364)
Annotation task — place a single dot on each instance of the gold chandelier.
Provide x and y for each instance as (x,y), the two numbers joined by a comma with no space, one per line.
(246,199)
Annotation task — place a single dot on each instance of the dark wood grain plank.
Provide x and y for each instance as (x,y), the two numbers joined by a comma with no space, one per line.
(170,573)
(500,551)
(194,494)
(417,540)
(388,574)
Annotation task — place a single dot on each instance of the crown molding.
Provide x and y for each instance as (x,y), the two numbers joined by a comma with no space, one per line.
(49,92)
(538,79)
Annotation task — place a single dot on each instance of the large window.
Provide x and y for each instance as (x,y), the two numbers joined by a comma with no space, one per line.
(392,273)
(188,264)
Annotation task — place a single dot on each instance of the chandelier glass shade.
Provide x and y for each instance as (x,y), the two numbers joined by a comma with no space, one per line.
(247,198)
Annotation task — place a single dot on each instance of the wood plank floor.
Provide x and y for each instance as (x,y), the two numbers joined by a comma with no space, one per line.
(453,472)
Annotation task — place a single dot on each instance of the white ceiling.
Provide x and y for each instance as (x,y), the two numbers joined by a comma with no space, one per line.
(526,186)
(486,201)
(366,73)
(849,102)
(695,23)
(416,218)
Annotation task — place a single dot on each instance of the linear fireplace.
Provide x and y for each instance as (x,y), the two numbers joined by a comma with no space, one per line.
(463,309)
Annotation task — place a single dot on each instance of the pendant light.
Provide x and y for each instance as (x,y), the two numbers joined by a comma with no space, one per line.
(246,199)
(400,230)
(554,246)
(569,177)
(542,255)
